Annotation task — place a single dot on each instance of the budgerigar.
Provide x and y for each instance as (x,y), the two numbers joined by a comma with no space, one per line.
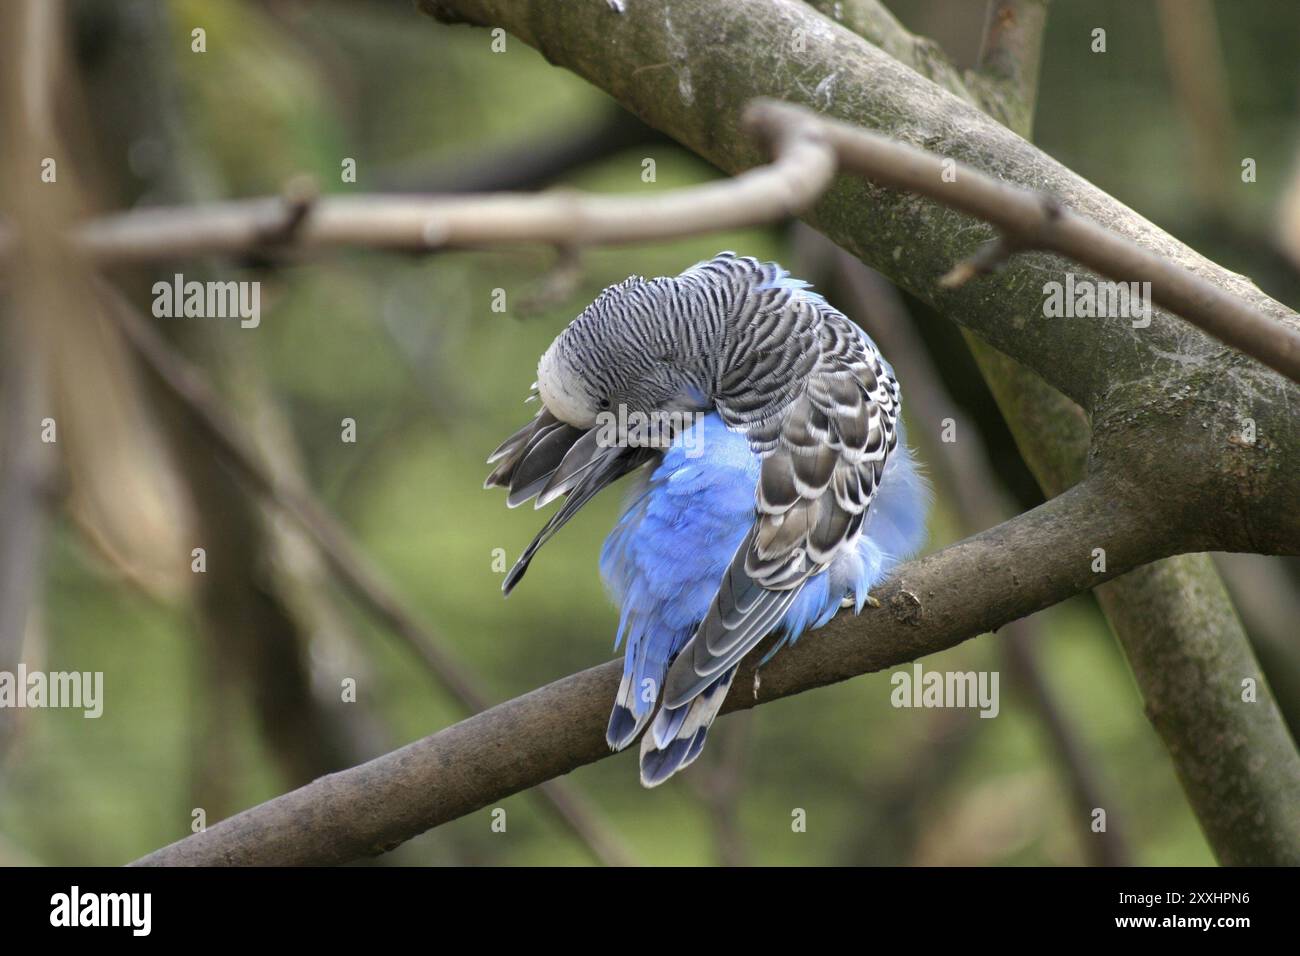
(791,495)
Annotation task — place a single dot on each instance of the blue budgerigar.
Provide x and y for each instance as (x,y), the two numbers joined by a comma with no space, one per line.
(779,489)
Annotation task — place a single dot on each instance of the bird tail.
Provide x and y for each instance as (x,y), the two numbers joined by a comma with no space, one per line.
(627,719)
(643,675)
(677,735)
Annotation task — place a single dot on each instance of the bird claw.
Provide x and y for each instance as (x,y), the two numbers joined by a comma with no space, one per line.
(872,602)
(850,601)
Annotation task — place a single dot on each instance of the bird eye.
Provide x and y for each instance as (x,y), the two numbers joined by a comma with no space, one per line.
(604,403)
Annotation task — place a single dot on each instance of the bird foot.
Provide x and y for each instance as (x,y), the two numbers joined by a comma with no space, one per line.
(850,601)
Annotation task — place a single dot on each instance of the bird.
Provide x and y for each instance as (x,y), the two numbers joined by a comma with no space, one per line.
(775,486)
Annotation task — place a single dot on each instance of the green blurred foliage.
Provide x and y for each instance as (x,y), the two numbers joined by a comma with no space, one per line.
(411,349)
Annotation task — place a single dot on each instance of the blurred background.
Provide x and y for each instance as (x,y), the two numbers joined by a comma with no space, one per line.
(222,690)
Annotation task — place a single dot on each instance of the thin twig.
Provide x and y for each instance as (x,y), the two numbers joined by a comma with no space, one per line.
(802,168)
(1035,221)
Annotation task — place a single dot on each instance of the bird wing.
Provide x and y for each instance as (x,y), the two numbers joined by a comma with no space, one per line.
(548,458)
(823,455)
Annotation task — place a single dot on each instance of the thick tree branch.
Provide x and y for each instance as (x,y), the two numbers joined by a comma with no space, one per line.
(665,63)
(1194,615)
(1207,697)
(1033,561)
(873,21)
(1006,80)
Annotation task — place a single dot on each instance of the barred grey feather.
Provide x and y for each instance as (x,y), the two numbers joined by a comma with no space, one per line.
(539,460)
(548,457)
(607,465)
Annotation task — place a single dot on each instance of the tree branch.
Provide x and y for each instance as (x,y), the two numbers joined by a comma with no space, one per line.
(1196,622)
(1232,751)
(1166,400)
(1007,75)
(965,474)
(1133,380)
(872,20)
(678,78)
(1033,561)
(800,170)
(1030,222)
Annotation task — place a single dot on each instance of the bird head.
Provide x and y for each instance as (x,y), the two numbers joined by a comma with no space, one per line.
(609,363)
